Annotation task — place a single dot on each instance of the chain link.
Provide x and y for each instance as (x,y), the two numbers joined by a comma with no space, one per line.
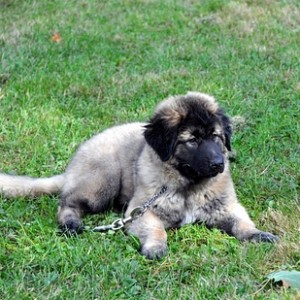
(136,213)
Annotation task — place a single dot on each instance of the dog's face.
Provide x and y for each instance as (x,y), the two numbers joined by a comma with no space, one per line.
(193,133)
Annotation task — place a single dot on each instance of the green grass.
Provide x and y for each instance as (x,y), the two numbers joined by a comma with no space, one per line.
(115,61)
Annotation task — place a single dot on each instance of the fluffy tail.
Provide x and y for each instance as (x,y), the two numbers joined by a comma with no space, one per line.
(14,186)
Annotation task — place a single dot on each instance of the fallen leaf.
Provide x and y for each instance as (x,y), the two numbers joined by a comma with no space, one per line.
(286,278)
(56,37)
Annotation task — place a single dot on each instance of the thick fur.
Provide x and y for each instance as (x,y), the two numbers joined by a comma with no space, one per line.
(185,146)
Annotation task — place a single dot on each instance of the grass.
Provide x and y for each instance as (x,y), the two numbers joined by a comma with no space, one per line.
(115,61)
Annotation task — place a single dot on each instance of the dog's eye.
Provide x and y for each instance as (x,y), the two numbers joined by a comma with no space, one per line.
(196,134)
(217,136)
(193,142)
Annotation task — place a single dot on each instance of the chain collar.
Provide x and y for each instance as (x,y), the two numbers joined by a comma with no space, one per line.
(136,213)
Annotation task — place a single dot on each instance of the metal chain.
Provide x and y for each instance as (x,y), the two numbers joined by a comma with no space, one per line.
(136,213)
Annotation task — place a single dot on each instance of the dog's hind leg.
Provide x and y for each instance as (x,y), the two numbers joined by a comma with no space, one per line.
(87,194)
(69,219)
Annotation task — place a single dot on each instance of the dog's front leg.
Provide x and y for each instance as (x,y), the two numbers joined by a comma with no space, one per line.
(237,222)
(152,235)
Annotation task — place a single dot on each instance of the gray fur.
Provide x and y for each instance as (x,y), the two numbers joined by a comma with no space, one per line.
(121,168)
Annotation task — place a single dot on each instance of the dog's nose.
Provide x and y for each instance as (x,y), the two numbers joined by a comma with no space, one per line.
(217,166)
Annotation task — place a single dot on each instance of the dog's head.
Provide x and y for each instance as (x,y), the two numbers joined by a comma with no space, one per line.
(193,132)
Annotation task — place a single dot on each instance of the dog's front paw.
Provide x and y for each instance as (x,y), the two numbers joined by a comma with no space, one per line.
(264,237)
(154,251)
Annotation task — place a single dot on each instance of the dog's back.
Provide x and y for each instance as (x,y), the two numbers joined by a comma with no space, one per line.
(103,149)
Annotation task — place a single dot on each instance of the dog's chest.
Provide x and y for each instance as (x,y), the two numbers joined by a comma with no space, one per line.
(207,208)
(177,210)
(193,210)
(190,217)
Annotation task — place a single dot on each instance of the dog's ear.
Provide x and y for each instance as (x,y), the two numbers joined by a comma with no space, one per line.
(227,128)
(161,136)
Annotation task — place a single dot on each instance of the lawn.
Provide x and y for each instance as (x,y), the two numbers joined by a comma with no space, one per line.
(70,69)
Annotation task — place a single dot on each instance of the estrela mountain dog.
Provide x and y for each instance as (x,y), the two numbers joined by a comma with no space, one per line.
(184,146)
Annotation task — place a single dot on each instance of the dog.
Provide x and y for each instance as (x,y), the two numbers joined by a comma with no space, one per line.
(185,146)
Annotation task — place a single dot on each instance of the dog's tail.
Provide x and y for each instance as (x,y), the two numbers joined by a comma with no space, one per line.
(14,186)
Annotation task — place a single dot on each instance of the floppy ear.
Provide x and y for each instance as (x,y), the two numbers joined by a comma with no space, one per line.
(227,128)
(161,137)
